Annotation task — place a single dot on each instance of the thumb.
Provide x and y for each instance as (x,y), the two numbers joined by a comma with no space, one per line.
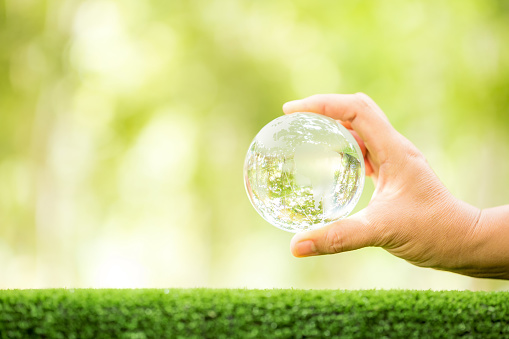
(344,235)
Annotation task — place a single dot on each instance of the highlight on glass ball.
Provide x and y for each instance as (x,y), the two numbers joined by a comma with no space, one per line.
(304,171)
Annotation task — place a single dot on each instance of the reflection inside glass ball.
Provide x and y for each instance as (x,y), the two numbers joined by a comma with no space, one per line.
(303,171)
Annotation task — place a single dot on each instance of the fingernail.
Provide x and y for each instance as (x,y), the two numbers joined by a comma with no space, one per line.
(305,249)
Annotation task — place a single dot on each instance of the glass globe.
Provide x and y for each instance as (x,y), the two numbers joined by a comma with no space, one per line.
(303,171)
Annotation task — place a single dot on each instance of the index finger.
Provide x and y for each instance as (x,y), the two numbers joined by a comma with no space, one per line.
(364,116)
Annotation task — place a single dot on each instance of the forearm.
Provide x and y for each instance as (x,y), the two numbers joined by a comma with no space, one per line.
(487,245)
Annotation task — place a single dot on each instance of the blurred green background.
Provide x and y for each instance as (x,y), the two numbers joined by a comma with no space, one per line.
(124,126)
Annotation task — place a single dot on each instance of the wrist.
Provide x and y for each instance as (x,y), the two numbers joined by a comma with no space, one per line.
(481,247)
(487,245)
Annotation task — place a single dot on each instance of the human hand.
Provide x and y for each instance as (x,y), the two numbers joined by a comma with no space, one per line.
(411,214)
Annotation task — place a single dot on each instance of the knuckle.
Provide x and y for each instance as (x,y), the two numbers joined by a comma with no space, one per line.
(324,108)
(317,103)
(363,98)
(334,241)
(408,153)
(323,105)
(412,152)
(360,105)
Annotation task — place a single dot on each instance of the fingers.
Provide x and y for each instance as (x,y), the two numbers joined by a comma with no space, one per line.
(362,146)
(362,113)
(357,138)
(345,235)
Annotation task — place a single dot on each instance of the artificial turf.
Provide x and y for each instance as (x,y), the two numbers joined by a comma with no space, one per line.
(243,313)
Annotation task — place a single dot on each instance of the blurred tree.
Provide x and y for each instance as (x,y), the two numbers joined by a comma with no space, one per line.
(124,124)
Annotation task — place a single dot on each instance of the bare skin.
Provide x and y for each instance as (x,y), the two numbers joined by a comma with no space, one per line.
(412,215)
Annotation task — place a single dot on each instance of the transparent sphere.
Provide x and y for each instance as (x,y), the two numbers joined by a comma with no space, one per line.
(303,171)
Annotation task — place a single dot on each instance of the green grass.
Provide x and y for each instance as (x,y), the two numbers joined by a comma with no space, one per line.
(238,313)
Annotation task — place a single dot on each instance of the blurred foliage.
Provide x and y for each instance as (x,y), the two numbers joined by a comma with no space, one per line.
(124,124)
